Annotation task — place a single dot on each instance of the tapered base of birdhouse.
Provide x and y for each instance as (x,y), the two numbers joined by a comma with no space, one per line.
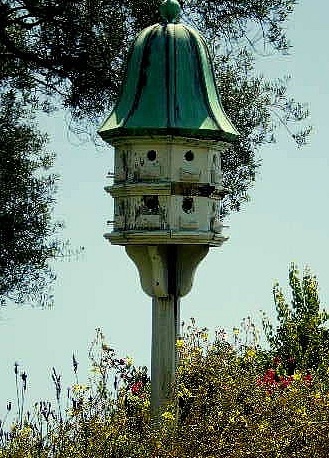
(167,269)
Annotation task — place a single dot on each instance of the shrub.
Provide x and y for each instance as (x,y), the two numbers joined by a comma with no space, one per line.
(232,398)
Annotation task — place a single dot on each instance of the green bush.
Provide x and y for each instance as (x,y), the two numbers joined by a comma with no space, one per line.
(301,338)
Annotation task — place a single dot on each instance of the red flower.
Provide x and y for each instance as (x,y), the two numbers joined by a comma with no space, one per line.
(308,379)
(285,382)
(269,377)
(269,380)
(136,387)
(270,374)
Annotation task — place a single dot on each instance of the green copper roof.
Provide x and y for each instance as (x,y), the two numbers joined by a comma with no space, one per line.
(169,88)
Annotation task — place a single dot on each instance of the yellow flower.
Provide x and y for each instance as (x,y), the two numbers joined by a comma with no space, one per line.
(204,336)
(26,431)
(146,404)
(297,376)
(250,353)
(168,416)
(77,388)
(180,343)
(129,361)
(184,392)
(95,370)
(236,331)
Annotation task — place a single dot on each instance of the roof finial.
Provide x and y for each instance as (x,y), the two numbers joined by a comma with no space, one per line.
(170,10)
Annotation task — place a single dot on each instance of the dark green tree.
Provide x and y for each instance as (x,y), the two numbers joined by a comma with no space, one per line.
(300,340)
(69,54)
(27,240)
(72,52)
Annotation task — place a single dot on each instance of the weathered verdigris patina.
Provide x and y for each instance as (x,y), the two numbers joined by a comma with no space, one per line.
(169,88)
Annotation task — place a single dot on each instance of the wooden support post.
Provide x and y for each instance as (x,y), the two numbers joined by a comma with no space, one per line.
(165,322)
(166,273)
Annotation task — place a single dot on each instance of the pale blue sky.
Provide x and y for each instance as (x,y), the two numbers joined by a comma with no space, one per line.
(286,220)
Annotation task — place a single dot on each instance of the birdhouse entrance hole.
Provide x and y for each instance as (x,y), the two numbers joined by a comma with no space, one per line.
(189,156)
(151,155)
(152,204)
(187,205)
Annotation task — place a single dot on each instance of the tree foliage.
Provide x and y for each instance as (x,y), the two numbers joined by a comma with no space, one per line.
(27,238)
(72,52)
(301,338)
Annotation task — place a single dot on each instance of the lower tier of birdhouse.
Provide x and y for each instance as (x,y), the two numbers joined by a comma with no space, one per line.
(156,218)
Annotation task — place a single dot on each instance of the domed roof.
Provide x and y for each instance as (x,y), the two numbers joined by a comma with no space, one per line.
(169,87)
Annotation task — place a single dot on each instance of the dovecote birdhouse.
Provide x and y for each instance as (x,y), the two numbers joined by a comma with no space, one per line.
(168,129)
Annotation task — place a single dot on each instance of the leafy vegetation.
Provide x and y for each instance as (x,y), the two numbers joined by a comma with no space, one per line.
(27,234)
(301,338)
(233,398)
(71,54)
